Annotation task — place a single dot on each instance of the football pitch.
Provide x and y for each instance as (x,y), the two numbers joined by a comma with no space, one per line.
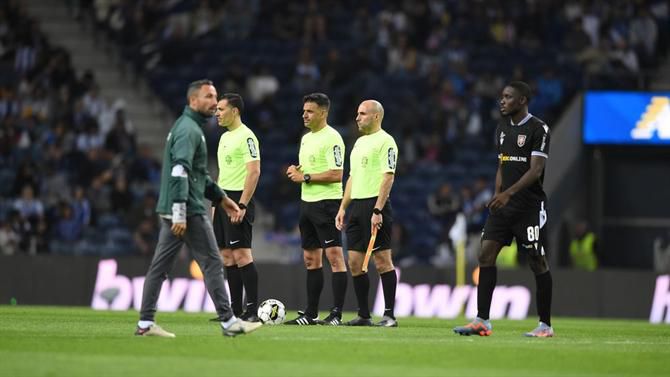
(54,341)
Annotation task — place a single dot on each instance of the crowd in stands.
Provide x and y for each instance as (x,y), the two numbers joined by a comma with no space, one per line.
(72,179)
(437,66)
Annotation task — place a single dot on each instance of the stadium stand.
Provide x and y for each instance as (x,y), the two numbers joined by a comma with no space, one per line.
(437,66)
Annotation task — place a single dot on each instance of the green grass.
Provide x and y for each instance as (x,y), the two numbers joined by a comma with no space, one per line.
(50,341)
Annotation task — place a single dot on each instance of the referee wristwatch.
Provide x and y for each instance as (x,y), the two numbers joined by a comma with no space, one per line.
(377,211)
(307,178)
(242,205)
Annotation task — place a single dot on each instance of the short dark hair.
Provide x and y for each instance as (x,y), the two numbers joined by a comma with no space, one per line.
(195,86)
(320,99)
(522,88)
(234,100)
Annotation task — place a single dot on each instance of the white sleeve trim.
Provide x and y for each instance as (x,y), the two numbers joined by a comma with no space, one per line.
(541,154)
(179,171)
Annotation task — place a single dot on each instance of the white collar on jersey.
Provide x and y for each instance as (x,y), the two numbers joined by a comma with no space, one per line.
(524,120)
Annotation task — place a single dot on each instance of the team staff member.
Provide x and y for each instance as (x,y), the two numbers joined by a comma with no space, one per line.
(517,208)
(239,171)
(320,176)
(373,162)
(185,183)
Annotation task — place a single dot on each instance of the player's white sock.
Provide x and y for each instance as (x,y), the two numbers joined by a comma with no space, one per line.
(144,324)
(228,323)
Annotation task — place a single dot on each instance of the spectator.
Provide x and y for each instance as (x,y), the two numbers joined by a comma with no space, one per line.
(28,206)
(644,33)
(119,140)
(81,207)
(314,25)
(94,105)
(68,228)
(444,205)
(307,73)
(90,138)
(261,84)
(145,237)
(22,228)
(482,197)
(583,248)
(120,198)
(9,239)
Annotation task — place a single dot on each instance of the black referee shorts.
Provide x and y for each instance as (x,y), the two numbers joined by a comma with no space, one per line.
(234,236)
(317,224)
(359,227)
(528,227)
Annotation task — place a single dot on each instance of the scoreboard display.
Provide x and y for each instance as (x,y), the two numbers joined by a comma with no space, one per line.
(621,118)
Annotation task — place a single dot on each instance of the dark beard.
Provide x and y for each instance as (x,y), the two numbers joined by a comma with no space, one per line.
(511,114)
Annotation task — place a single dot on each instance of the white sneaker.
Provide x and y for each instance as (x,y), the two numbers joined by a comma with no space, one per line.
(153,330)
(541,331)
(240,327)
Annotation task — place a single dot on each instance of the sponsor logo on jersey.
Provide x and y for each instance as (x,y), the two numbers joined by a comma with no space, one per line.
(521,140)
(655,119)
(337,154)
(505,158)
(502,137)
(253,151)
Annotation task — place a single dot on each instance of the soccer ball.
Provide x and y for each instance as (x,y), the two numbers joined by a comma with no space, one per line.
(272,312)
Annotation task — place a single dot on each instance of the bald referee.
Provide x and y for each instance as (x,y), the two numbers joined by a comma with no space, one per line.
(366,197)
(239,170)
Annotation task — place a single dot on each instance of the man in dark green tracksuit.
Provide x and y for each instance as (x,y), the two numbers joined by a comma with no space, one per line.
(185,183)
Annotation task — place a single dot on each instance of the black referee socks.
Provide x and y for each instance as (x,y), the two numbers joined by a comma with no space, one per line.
(389,283)
(234,278)
(314,288)
(362,287)
(250,280)
(339,289)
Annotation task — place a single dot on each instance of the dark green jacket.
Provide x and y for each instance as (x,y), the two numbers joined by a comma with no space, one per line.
(186,146)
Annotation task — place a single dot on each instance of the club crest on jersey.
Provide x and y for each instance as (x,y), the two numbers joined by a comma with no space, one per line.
(521,140)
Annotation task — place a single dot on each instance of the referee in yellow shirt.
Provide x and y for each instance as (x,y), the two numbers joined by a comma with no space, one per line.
(373,163)
(239,170)
(320,174)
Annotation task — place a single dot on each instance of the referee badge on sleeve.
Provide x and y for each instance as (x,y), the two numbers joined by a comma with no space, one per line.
(337,154)
(253,151)
(391,158)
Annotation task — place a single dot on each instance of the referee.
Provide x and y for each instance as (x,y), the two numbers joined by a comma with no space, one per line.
(373,163)
(320,175)
(239,171)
